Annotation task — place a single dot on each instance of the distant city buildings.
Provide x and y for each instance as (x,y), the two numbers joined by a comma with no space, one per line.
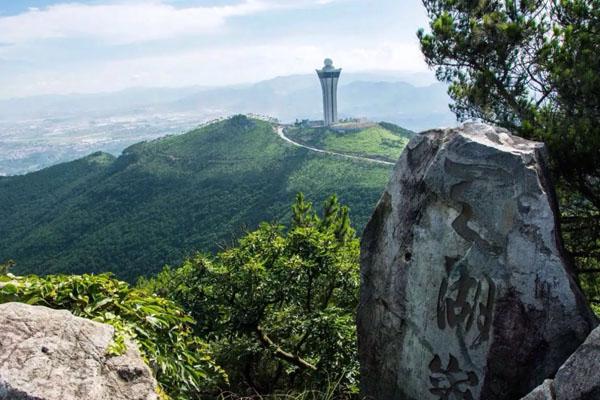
(329,76)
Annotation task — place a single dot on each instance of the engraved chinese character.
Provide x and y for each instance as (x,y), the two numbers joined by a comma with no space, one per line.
(463,304)
(451,383)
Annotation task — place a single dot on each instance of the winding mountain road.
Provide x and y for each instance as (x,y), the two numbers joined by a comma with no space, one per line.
(281,134)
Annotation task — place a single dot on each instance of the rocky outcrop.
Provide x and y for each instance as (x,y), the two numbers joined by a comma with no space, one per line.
(48,354)
(578,378)
(465,291)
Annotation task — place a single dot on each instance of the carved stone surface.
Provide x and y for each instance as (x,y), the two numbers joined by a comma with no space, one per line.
(465,292)
(49,354)
(578,378)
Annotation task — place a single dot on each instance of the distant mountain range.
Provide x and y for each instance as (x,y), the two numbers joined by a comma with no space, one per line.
(39,131)
(299,97)
(377,96)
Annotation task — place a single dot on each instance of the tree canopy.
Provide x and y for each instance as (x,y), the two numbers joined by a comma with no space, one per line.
(278,308)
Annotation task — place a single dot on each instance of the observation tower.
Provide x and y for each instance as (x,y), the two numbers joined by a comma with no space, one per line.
(329,76)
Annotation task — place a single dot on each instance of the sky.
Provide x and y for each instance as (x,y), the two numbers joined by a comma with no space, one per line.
(60,47)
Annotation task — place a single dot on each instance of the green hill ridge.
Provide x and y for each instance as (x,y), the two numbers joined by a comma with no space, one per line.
(383,141)
(162,200)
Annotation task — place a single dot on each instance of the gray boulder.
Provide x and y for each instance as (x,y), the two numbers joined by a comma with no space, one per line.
(542,392)
(50,354)
(466,292)
(578,378)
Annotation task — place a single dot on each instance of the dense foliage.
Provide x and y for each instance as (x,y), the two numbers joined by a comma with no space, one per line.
(163,333)
(532,67)
(162,200)
(278,308)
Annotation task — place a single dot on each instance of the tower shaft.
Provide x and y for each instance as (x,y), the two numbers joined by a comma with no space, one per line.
(329,77)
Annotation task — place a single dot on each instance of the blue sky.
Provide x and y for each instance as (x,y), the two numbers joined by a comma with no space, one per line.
(104,45)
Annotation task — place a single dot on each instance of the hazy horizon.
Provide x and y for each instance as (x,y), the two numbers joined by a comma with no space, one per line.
(36,132)
(416,79)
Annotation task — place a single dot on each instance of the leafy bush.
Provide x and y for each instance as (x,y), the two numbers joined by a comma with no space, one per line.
(278,309)
(180,361)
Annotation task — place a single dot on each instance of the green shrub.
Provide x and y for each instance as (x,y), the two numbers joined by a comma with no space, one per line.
(163,332)
(278,308)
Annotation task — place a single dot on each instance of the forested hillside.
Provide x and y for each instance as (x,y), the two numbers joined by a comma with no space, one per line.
(161,200)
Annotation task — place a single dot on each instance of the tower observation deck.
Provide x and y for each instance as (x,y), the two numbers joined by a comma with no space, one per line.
(329,76)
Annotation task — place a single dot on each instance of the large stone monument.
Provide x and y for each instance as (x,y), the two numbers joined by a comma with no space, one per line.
(329,76)
(466,293)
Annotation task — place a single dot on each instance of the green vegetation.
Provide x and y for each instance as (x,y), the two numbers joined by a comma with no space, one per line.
(383,141)
(272,315)
(278,308)
(179,360)
(163,200)
(532,67)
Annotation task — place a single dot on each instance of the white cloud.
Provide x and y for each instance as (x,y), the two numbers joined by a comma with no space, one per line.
(130,22)
(238,50)
(217,66)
